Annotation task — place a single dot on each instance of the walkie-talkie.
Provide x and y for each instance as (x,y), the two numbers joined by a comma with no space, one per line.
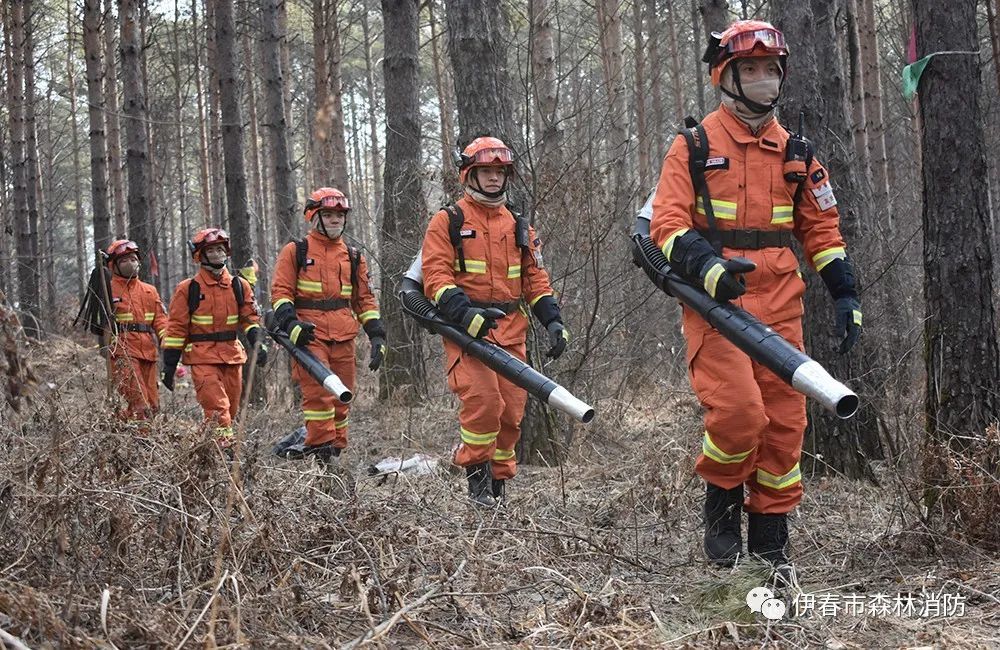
(798,154)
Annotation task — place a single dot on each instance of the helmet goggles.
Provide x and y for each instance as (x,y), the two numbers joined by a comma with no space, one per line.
(329,202)
(743,43)
(493,156)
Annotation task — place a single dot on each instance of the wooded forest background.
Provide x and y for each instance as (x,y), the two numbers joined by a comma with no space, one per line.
(152,119)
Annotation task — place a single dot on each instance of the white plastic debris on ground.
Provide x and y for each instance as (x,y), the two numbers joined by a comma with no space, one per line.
(417,464)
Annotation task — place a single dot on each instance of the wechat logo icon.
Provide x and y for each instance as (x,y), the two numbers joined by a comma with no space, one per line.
(761,600)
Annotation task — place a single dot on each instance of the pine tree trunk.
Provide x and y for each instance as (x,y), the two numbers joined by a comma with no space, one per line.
(610,23)
(373,114)
(676,81)
(227,69)
(98,145)
(277,127)
(258,217)
(641,96)
(203,171)
(323,118)
(991,19)
(36,205)
(960,332)
(81,260)
(857,87)
(548,133)
(112,124)
(137,145)
(216,163)
(696,63)
(404,211)
(338,143)
(8,273)
(874,120)
(181,171)
(449,175)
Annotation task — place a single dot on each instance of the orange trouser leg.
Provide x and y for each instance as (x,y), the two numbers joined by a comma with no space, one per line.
(129,376)
(326,418)
(149,376)
(482,405)
(514,400)
(776,484)
(212,387)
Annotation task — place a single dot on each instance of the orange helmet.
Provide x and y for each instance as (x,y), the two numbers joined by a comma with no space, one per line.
(325,198)
(208,237)
(743,39)
(120,248)
(482,152)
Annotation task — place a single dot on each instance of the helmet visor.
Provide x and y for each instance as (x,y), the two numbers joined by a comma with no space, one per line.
(123,248)
(771,40)
(334,202)
(215,237)
(493,156)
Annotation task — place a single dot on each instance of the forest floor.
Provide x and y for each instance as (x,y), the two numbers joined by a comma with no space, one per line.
(111,539)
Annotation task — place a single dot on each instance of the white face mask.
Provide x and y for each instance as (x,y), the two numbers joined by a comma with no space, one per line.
(763,91)
(128,268)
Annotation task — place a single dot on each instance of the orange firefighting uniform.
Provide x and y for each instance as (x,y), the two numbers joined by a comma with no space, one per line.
(325,276)
(754,422)
(138,314)
(497,272)
(216,366)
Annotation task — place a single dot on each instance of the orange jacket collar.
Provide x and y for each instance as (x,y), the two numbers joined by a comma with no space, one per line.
(322,240)
(207,278)
(740,131)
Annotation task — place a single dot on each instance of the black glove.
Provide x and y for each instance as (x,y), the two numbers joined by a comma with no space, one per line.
(253,334)
(171,357)
(378,354)
(720,277)
(478,322)
(299,331)
(838,276)
(558,337)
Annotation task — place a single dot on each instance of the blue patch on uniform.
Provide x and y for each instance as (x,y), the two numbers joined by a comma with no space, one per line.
(818,175)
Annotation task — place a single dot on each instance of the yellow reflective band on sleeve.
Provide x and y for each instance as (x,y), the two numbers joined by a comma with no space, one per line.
(668,246)
(250,327)
(232,319)
(537,298)
(712,278)
(472,266)
(503,454)
(173,342)
(476,324)
(779,482)
(124,318)
(189,347)
(346,290)
(149,316)
(722,209)
(279,302)
(471,438)
(782,214)
(514,271)
(201,320)
(309,286)
(341,424)
(294,335)
(857,317)
(437,294)
(366,316)
(711,450)
(316,416)
(161,333)
(826,256)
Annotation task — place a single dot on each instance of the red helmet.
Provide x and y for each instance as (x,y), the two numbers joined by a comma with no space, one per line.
(482,152)
(325,198)
(208,237)
(744,39)
(120,248)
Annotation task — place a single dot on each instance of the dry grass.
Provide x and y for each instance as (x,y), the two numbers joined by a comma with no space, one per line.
(112,539)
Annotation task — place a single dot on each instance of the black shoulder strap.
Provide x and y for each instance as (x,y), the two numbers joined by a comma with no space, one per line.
(697,142)
(301,252)
(455,220)
(238,292)
(521,224)
(355,256)
(194,296)
(802,183)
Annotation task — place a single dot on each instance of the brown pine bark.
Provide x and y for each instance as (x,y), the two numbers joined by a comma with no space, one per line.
(35,193)
(856,75)
(180,167)
(81,261)
(112,124)
(696,63)
(8,274)
(874,119)
(338,142)
(609,22)
(548,132)
(442,83)
(216,164)
(322,148)
(277,126)
(98,143)
(373,115)
(640,96)
(204,175)
(258,218)
(676,82)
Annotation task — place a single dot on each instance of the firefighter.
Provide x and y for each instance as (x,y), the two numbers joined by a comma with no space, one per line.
(320,294)
(206,312)
(479,264)
(138,314)
(763,188)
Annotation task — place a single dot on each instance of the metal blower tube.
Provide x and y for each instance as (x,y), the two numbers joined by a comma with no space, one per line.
(742,329)
(329,379)
(496,358)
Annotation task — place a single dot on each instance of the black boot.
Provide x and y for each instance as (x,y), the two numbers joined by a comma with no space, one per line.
(480,488)
(498,490)
(723,535)
(767,536)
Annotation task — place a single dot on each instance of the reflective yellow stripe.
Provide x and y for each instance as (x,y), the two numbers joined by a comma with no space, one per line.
(201,320)
(149,316)
(366,316)
(161,333)
(722,209)
(189,347)
(782,214)
(475,325)
(311,287)
(437,294)
(779,482)
(472,266)
(315,416)
(279,302)
(826,256)
(857,317)
(537,298)
(232,320)
(250,327)
(503,454)
(173,342)
(712,278)
(470,438)
(711,450)
(668,246)
(224,432)
(124,318)
(346,290)
(514,271)
(341,424)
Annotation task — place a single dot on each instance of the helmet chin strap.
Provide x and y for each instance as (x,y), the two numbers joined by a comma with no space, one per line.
(215,266)
(754,107)
(320,226)
(479,187)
